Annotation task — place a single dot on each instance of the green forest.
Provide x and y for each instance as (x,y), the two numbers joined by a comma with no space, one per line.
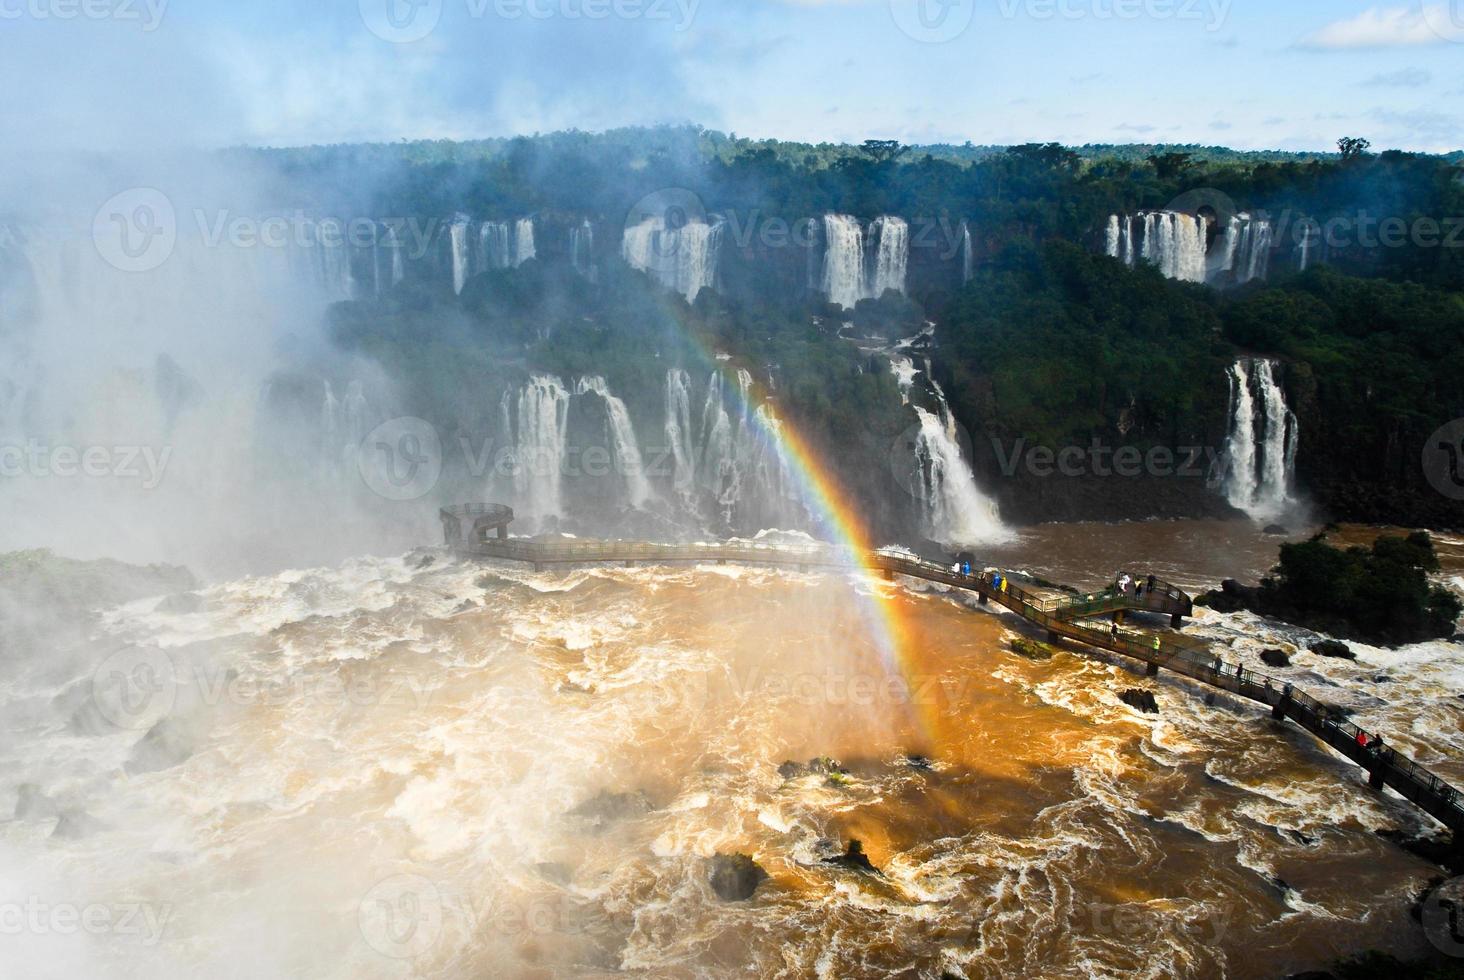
(1049,340)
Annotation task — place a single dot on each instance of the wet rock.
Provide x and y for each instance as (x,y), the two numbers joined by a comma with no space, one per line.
(1275,658)
(734,877)
(168,743)
(1335,649)
(605,808)
(32,804)
(422,561)
(74,825)
(853,859)
(1382,679)
(465,606)
(1232,597)
(1140,700)
(1276,529)
(180,604)
(818,766)
(1031,649)
(919,762)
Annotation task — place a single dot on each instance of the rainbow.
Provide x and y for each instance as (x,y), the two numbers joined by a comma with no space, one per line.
(840,522)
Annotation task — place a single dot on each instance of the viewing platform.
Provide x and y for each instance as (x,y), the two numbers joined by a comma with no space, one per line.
(481,530)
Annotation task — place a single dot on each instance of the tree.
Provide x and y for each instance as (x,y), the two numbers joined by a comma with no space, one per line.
(883,151)
(1171,166)
(1353,147)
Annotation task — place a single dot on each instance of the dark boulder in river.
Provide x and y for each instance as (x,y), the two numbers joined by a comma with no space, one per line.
(734,877)
(1335,649)
(1275,658)
(853,859)
(1140,700)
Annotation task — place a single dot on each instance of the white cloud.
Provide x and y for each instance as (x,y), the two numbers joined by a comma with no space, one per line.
(1393,27)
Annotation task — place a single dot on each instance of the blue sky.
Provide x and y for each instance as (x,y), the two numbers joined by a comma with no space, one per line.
(1244,73)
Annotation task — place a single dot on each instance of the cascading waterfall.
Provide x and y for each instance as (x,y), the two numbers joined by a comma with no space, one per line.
(582,249)
(523,241)
(683,259)
(857,266)
(493,246)
(843,268)
(539,427)
(458,235)
(678,435)
(719,473)
(954,509)
(968,258)
(1253,249)
(1261,449)
(891,237)
(1175,242)
(622,440)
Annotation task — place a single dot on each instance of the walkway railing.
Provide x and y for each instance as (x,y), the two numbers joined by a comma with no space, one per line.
(1060,616)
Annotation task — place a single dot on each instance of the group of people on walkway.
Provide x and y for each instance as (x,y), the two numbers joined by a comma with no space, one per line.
(1130,586)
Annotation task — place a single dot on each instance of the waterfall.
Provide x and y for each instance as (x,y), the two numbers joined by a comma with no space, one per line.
(681,259)
(678,434)
(719,452)
(523,241)
(1304,248)
(1111,237)
(622,440)
(1175,242)
(458,234)
(843,268)
(493,249)
(968,259)
(1253,251)
(582,249)
(891,238)
(849,274)
(954,509)
(539,446)
(1261,449)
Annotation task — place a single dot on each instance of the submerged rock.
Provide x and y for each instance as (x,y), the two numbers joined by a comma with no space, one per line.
(1276,529)
(74,825)
(920,762)
(1335,649)
(1140,700)
(853,859)
(1275,658)
(31,803)
(166,744)
(605,808)
(180,604)
(734,877)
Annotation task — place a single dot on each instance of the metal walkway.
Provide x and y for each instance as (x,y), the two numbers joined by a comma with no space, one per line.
(480,530)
